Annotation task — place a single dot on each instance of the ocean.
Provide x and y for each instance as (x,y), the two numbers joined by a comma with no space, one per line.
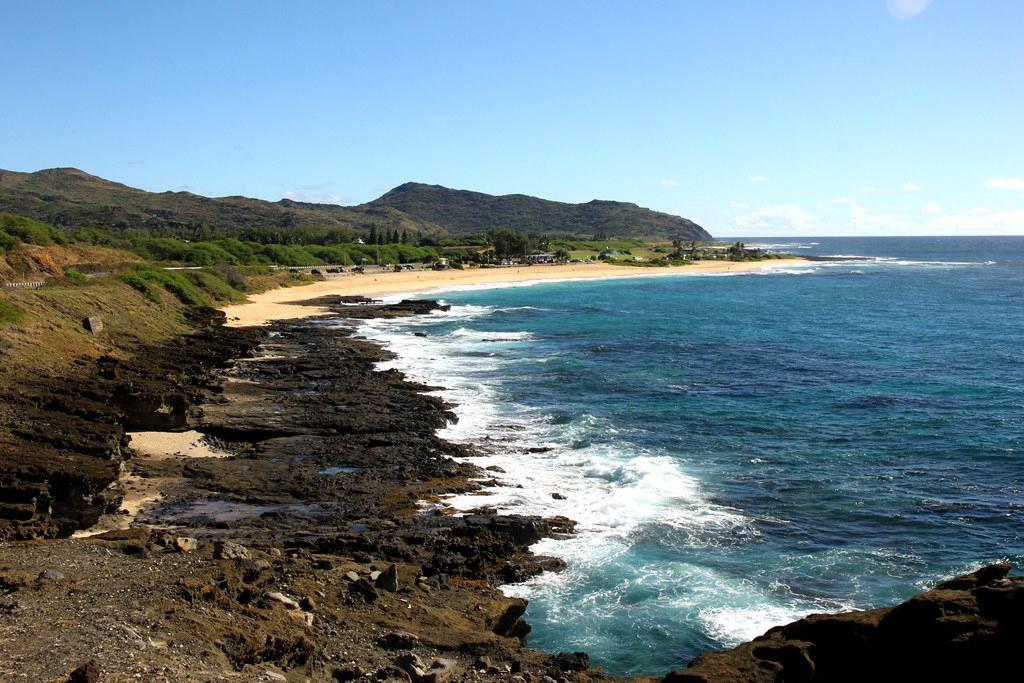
(742,450)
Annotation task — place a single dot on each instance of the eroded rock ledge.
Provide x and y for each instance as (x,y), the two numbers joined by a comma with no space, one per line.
(967,629)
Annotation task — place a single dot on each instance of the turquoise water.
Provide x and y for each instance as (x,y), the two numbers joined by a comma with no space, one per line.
(742,450)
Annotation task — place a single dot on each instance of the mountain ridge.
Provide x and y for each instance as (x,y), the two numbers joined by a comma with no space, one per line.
(461,211)
(72,198)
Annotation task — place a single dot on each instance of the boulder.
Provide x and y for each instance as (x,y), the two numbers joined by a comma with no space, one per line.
(229,550)
(283,599)
(186,544)
(572,661)
(364,589)
(397,640)
(388,580)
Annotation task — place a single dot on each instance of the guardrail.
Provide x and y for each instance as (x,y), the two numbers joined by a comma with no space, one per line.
(23,284)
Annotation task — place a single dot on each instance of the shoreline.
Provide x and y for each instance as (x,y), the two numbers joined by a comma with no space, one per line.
(302,555)
(284,303)
(297,523)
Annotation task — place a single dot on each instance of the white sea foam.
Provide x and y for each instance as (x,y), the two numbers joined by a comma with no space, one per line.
(782,245)
(860,260)
(616,490)
(734,625)
(490,336)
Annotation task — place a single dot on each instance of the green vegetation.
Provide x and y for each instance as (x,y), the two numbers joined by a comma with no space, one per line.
(461,212)
(600,245)
(7,242)
(192,287)
(102,212)
(74,276)
(79,202)
(238,252)
(15,229)
(10,314)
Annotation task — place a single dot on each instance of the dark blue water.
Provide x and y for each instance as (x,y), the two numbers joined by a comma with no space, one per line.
(743,450)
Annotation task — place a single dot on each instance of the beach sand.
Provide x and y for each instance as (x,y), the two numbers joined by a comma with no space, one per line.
(143,493)
(279,304)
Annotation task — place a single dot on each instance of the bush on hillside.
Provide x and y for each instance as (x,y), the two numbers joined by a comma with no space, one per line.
(30,231)
(7,242)
(192,287)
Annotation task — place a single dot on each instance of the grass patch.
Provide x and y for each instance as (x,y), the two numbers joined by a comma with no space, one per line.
(213,283)
(10,314)
(139,283)
(192,287)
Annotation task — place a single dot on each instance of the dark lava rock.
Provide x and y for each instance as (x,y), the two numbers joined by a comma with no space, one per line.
(509,623)
(412,665)
(572,661)
(67,438)
(87,673)
(397,641)
(966,629)
(364,589)
(388,579)
(348,673)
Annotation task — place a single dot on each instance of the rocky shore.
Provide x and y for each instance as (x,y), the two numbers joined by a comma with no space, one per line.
(301,552)
(307,540)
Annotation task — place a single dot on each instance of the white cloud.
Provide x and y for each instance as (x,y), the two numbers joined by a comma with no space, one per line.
(991,223)
(868,188)
(979,210)
(315,197)
(739,205)
(864,220)
(780,218)
(911,186)
(907,9)
(757,179)
(665,182)
(1005,183)
(931,207)
(842,200)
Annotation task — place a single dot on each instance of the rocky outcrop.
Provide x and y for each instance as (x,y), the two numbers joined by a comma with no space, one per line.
(62,438)
(966,629)
(296,553)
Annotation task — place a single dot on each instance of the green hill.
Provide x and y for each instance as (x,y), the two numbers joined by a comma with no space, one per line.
(72,199)
(462,212)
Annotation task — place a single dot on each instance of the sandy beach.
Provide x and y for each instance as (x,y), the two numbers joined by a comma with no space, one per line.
(279,304)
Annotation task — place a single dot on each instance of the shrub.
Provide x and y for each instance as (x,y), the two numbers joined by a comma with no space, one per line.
(288,255)
(208,254)
(173,281)
(233,276)
(212,284)
(139,283)
(7,242)
(31,231)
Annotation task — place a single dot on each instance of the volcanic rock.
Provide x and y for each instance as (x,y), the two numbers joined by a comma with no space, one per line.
(966,629)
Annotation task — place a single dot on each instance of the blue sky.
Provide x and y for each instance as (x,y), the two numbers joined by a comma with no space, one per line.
(750,117)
